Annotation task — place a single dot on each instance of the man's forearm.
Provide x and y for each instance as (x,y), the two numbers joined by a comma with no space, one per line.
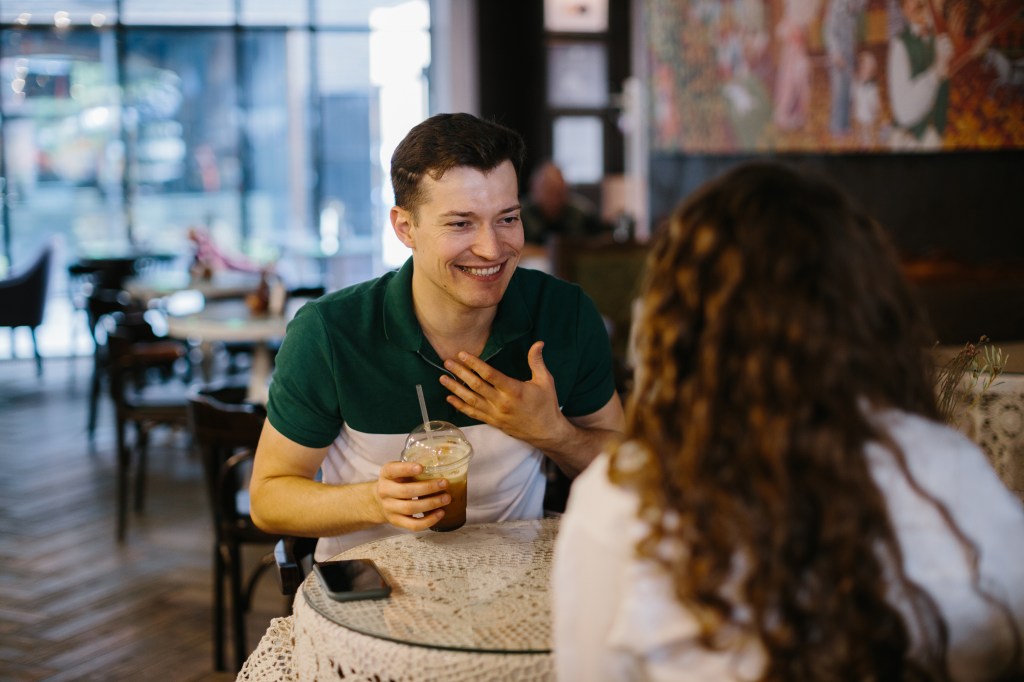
(293,505)
(578,448)
(575,444)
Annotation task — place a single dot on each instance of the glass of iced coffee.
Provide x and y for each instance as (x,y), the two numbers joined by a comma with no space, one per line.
(444,452)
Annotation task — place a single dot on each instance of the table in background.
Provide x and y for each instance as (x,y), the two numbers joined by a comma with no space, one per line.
(163,284)
(231,321)
(467,605)
(110,269)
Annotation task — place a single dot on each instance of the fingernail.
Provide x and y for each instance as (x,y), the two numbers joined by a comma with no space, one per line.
(442,483)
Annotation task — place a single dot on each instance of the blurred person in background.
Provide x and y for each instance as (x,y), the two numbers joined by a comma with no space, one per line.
(551,208)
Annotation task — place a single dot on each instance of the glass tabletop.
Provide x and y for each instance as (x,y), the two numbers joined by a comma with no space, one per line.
(482,588)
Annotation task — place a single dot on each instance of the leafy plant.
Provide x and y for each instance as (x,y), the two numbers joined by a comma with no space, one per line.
(980,361)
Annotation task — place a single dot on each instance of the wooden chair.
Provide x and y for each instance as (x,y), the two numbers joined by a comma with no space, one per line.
(293,558)
(134,351)
(23,300)
(226,430)
(99,303)
(611,273)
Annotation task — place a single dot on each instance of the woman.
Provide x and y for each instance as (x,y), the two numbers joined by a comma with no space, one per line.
(786,505)
(793,76)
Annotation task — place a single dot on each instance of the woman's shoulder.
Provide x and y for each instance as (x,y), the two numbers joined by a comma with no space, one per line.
(595,482)
(598,506)
(950,468)
(926,443)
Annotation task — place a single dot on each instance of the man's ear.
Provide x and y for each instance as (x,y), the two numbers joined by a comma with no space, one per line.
(402,222)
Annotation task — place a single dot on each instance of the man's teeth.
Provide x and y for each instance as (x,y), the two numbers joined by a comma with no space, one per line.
(481,272)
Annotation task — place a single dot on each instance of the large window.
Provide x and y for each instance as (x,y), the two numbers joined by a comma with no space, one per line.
(182,135)
(125,122)
(277,139)
(61,139)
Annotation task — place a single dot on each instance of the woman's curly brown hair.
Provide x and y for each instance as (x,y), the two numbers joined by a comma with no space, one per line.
(775,320)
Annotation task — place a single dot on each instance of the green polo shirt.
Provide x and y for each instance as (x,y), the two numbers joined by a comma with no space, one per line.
(346,379)
(356,355)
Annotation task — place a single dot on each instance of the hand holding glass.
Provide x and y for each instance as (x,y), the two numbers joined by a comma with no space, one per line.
(444,452)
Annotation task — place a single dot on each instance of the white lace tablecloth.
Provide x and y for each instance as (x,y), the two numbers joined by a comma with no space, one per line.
(469,605)
(997,424)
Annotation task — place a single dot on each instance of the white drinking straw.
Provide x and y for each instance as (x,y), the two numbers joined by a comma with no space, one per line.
(423,407)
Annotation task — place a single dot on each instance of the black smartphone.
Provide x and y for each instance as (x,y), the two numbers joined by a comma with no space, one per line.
(351,579)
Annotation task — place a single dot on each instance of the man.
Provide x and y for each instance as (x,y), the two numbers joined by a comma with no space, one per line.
(918,74)
(840,34)
(518,359)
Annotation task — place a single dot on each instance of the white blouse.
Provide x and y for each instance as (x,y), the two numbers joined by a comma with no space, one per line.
(615,617)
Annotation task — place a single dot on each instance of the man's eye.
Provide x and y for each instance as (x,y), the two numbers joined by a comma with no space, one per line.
(459,224)
(509,220)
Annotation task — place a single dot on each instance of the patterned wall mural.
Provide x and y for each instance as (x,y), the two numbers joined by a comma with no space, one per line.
(733,76)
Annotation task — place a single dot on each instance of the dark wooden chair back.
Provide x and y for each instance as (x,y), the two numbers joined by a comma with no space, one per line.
(23,298)
(226,430)
(105,310)
(133,351)
(293,558)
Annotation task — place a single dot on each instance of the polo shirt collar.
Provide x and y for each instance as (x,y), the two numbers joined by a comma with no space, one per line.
(512,320)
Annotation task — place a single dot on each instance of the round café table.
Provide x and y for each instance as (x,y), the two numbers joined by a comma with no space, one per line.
(231,321)
(471,604)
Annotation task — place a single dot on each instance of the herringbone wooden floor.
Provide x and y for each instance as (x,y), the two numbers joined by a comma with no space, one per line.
(74,604)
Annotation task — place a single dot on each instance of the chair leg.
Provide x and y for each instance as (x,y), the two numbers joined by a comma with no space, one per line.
(35,349)
(219,635)
(239,605)
(94,398)
(123,465)
(142,447)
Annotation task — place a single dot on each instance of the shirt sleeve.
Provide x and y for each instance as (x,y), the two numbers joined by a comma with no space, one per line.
(595,378)
(587,579)
(303,404)
(616,617)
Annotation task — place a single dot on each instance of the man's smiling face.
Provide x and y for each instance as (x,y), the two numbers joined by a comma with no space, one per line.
(466,238)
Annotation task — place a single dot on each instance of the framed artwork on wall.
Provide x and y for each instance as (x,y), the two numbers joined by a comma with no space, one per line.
(836,75)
